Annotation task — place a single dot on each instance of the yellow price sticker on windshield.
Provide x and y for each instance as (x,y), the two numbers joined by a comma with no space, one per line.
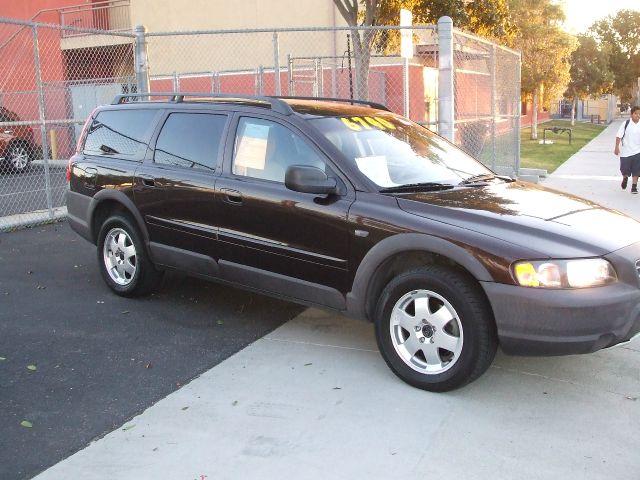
(358,124)
(350,124)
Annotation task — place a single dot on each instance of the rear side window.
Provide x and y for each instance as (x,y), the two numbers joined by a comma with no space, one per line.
(120,133)
(190,140)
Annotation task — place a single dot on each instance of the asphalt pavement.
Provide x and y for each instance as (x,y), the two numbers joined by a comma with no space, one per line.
(77,361)
(313,398)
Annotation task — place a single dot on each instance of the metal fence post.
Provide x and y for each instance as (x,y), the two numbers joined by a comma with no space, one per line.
(43,127)
(405,87)
(215,82)
(318,87)
(494,98)
(518,112)
(141,59)
(276,63)
(260,81)
(445,78)
(290,74)
(176,82)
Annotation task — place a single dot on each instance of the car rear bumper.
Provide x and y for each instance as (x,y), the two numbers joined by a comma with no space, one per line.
(77,212)
(561,322)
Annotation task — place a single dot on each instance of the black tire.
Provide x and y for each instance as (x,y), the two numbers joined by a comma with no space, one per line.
(18,157)
(438,352)
(124,263)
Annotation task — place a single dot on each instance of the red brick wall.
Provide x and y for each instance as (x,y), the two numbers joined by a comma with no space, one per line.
(526,118)
(388,90)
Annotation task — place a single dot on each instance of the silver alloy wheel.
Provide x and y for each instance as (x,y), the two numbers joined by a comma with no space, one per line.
(426,332)
(119,254)
(19,157)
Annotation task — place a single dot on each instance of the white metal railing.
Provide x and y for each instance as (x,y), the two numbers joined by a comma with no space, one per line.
(108,15)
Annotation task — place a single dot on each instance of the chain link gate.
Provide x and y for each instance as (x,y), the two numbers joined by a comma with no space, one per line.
(57,75)
(52,79)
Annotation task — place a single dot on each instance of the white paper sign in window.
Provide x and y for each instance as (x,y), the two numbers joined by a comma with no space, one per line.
(375,168)
(252,147)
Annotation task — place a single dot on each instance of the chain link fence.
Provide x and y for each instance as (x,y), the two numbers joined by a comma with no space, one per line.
(55,75)
(295,62)
(52,78)
(487,107)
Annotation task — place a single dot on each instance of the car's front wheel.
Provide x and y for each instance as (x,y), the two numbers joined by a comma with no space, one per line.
(435,329)
(18,157)
(123,261)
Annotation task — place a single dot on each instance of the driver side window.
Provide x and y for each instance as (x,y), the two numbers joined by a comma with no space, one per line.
(265,149)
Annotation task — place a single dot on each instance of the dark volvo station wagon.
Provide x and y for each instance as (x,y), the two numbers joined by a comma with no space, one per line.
(350,207)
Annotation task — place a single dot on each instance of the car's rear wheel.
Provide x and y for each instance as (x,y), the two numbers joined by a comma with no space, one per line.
(18,157)
(435,329)
(123,260)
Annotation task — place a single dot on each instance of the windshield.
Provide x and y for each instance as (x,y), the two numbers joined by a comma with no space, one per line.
(392,151)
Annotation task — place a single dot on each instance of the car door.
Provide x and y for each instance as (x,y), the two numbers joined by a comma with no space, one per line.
(175,190)
(273,238)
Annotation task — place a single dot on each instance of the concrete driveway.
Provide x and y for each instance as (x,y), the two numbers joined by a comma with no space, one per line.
(314,400)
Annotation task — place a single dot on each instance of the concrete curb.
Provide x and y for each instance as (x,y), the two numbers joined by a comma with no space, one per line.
(37,217)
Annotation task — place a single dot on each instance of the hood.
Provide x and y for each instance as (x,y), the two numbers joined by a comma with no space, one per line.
(553,223)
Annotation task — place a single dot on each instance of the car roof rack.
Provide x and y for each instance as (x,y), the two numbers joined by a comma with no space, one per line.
(276,104)
(352,101)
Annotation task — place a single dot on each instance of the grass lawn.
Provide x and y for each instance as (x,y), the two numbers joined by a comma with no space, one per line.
(550,157)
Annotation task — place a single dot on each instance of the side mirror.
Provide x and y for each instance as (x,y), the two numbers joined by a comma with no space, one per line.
(305,179)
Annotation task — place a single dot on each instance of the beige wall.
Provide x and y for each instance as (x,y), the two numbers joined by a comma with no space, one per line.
(211,53)
(181,15)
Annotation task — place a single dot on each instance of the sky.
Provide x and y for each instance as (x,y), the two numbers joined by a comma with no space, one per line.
(582,13)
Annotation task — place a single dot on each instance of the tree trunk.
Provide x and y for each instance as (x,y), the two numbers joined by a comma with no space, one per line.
(349,9)
(362,53)
(534,116)
(574,107)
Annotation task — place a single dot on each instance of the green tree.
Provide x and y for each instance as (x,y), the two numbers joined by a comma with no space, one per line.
(590,73)
(620,35)
(546,51)
(488,18)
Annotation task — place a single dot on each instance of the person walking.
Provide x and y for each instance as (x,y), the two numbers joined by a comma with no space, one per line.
(628,147)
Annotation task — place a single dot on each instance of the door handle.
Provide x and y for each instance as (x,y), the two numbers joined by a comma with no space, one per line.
(147,180)
(231,196)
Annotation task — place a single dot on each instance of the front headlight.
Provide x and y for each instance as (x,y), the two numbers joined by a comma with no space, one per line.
(579,273)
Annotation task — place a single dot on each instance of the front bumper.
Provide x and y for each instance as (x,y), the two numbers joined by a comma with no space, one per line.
(560,322)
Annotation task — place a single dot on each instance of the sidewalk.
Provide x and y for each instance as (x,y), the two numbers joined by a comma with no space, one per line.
(314,400)
(594,173)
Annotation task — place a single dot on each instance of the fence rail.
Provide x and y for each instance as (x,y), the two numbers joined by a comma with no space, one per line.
(54,75)
(108,15)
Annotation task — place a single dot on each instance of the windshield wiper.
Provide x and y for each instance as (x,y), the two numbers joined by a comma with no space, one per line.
(506,178)
(417,187)
(478,178)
